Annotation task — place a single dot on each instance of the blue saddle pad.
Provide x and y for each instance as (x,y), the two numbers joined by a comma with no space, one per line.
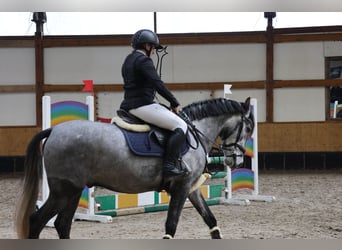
(146,144)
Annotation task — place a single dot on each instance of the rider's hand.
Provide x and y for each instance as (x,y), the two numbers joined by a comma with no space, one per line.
(176,109)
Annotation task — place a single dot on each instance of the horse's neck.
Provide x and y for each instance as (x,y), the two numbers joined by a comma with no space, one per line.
(211,128)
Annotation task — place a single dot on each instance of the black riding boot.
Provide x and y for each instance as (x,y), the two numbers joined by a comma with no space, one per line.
(172,154)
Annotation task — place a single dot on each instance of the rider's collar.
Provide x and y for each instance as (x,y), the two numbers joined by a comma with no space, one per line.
(141,51)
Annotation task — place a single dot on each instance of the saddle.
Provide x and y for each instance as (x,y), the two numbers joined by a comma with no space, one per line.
(144,139)
(127,121)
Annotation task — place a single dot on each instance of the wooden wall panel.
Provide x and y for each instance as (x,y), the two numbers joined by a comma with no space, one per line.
(273,137)
(14,140)
(300,137)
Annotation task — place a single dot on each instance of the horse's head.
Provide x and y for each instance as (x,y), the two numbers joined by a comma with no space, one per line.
(234,134)
(230,120)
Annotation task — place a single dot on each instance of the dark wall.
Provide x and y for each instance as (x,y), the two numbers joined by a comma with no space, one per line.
(11,164)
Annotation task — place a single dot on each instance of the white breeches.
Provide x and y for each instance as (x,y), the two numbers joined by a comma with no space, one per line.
(160,116)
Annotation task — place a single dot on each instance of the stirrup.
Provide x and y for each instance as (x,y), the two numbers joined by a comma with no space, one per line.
(174,170)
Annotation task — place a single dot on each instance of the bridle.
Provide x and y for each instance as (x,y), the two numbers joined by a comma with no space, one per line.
(225,147)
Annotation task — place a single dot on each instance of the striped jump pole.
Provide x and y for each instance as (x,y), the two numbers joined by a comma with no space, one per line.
(119,204)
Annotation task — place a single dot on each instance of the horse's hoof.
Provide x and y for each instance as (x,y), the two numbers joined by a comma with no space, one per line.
(167,237)
(215,233)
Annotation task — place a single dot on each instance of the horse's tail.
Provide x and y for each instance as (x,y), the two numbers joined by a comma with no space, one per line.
(30,187)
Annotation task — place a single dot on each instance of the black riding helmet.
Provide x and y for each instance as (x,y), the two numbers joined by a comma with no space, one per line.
(145,36)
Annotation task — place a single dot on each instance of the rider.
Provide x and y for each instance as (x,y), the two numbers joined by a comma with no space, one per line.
(141,82)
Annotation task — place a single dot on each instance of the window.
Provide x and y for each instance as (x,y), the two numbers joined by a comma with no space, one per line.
(334,93)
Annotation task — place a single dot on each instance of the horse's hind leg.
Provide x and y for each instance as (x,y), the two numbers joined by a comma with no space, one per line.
(63,199)
(201,206)
(39,219)
(64,219)
(68,197)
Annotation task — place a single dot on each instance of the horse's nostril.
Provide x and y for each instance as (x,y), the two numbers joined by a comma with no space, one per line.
(229,162)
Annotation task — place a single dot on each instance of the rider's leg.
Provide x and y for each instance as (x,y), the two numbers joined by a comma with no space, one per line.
(162,117)
(172,154)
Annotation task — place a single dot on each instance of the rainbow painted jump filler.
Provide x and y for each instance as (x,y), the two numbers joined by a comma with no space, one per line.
(85,153)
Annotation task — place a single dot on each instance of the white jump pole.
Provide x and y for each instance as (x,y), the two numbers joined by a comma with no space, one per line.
(255,166)
(46,124)
(91,117)
(335,109)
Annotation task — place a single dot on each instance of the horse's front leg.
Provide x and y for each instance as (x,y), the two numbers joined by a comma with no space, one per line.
(203,209)
(176,204)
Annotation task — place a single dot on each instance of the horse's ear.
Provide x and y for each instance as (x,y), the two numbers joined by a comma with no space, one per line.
(247,103)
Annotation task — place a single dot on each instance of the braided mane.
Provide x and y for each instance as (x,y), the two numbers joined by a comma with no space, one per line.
(212,108)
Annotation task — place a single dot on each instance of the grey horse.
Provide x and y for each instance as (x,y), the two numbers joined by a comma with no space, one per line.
(84,153)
